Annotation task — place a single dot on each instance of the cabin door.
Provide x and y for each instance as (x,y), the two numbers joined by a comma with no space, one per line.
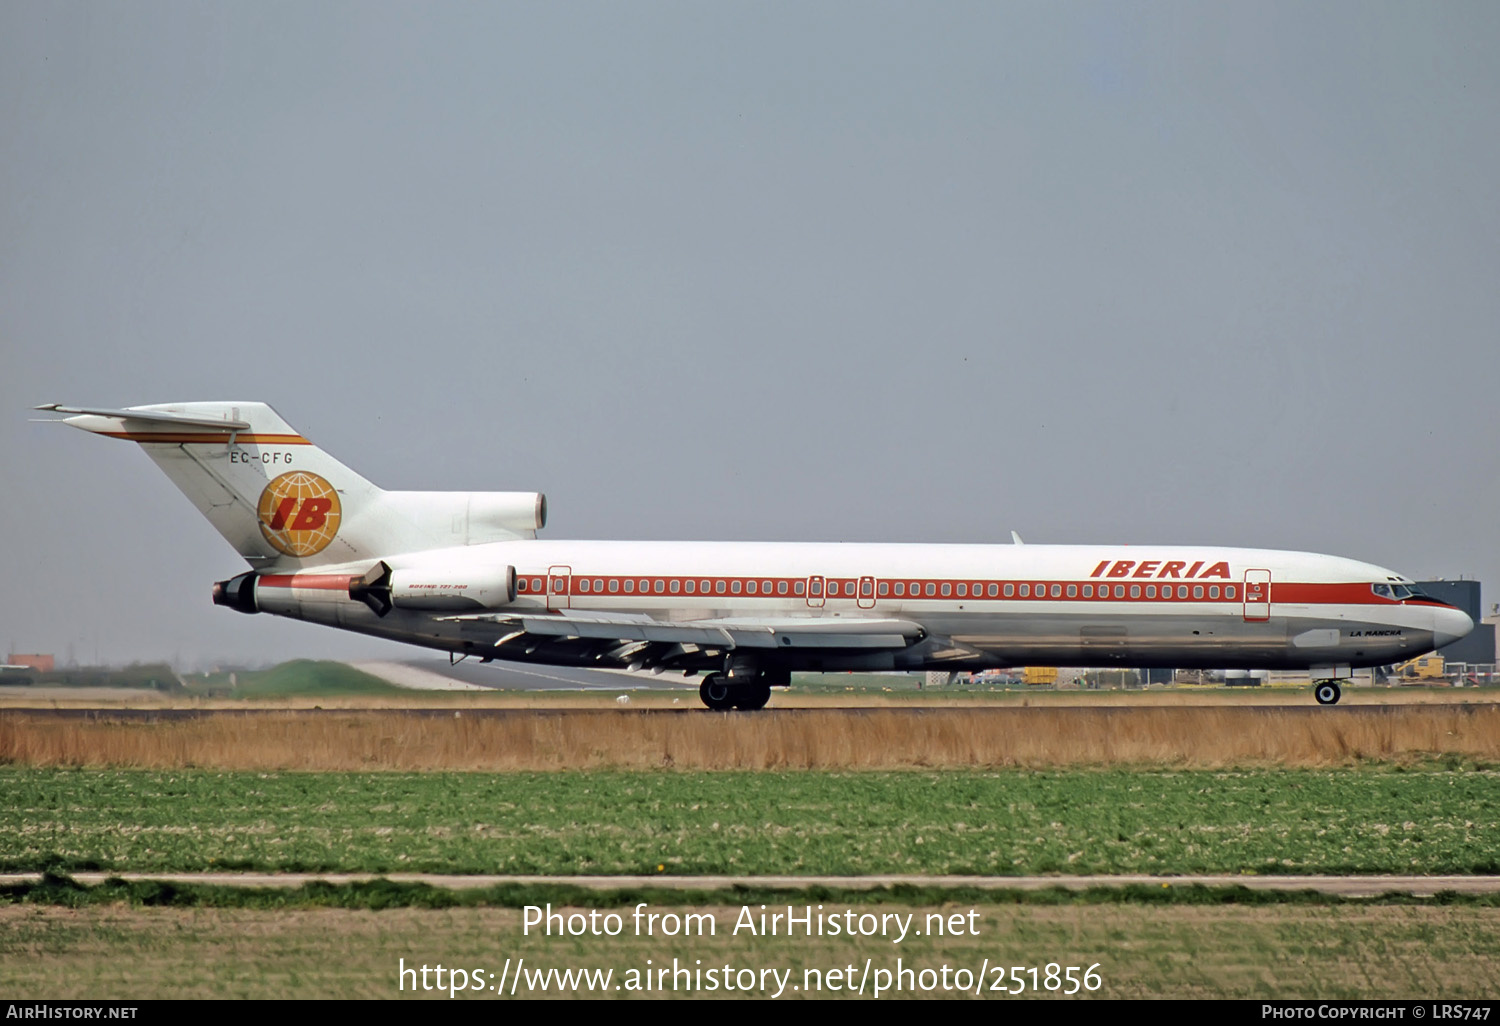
(559,586)
(1257,595)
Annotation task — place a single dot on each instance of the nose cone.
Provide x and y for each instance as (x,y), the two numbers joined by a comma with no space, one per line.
(1448,625)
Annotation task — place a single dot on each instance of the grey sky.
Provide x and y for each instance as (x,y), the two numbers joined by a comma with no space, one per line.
(1201,273)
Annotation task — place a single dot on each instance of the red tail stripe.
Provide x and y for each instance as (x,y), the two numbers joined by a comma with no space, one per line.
(316,582)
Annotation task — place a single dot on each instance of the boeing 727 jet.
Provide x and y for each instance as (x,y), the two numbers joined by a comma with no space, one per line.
(463,572)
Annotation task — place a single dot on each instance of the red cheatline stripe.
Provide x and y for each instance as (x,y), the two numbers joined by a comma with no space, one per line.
(210,437)
(976,590)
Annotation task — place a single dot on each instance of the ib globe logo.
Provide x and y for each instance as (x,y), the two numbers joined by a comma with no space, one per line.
(299,513)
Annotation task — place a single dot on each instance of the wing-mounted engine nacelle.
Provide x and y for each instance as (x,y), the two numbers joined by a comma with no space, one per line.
(434,588)
(237,593)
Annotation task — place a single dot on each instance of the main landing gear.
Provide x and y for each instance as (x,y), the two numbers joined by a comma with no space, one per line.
(721,693)
(1327,692)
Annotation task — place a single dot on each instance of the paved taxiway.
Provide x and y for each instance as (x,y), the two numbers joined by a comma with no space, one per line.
(471,675)
(1343,886)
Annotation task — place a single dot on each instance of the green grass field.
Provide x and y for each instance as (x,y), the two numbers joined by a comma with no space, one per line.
(1304,952)
(1365,820)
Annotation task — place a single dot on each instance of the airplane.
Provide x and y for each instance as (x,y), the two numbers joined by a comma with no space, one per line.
(464,572)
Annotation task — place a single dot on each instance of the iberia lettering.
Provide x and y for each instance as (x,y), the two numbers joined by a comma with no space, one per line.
(1157,569)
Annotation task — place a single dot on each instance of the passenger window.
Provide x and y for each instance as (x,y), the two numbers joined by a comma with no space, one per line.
(704,586)
(719,587)
(522,584)
(1229,592)
(866,588)
(1010,589)
(630,587)
(1072,591)
(994,590)
(1135,591)
(817,588)
(1088,591)
(931,590)
(1026,591)
(1182,591)
(963,591)
(690,586)
(583,586)
(536,584)
(884,589)
(750,587)
(765,587)
(614,584)
(1197,591)
(1057,591)
(661,586)
(734,586)
(1151,591)
(645,586)
(674,586)
(947,589)
(900,588)
(1213,591)
(598,584)
(781,587)
(1119,591)
(797,588)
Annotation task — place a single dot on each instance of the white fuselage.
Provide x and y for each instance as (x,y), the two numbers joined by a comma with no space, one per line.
(977,605)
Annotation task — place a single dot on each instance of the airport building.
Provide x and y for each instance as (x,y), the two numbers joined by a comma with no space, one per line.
(1479,646)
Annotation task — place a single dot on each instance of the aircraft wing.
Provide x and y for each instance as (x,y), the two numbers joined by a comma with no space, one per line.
(730,633)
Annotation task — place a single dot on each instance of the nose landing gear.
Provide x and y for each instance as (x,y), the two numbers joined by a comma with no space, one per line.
(1327,692)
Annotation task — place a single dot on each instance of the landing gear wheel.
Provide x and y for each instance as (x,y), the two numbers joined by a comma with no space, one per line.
(1327,692)
(716,692)
(752,696)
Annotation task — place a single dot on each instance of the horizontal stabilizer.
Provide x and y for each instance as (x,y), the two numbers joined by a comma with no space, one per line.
(153,417)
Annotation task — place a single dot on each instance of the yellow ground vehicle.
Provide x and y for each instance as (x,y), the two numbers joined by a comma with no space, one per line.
(1041,675)
(1427,669)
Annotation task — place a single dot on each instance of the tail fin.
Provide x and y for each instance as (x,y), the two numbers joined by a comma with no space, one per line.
(283,502)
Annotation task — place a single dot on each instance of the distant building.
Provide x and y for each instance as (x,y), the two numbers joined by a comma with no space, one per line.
(40,662)
(1478,647)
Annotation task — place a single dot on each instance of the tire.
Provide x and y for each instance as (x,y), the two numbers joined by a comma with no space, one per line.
(752,696)
(1327,692)
(716,692)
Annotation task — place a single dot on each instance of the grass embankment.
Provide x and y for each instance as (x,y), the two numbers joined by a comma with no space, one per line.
(305,677)
(1379,820)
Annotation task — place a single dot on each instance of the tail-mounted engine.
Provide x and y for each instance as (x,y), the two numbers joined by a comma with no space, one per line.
(237,593)
(382,588)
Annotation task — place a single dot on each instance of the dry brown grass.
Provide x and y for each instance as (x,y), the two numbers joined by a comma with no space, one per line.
(519,739)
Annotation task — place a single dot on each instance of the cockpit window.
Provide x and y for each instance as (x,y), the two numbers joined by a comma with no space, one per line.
(1382,590)
(1398,592)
